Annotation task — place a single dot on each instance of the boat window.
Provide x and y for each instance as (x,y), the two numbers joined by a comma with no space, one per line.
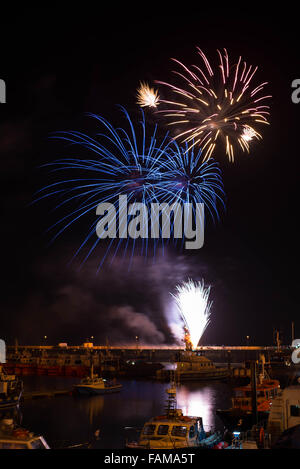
(199,424)
(295,411)
(37,444)
(163,429)
(149,429)
(192,432)
(179,430)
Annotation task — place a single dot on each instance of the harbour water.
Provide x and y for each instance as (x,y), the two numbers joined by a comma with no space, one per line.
(67,420)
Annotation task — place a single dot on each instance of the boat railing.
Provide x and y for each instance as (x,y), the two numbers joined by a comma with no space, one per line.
(208,429)
(256,435)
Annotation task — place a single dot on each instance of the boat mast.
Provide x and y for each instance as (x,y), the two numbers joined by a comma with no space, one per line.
(171,404)
(253,392)
(171,401)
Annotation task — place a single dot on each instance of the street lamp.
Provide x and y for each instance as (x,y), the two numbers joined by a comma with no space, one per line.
(247,344)
(137,343)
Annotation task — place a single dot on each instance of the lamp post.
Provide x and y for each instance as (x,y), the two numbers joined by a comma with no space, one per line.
(137,343)
(247,344)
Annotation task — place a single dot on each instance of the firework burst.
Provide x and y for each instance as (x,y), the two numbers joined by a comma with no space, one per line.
(194,307)
(146,96)
(135,163)
(216,106)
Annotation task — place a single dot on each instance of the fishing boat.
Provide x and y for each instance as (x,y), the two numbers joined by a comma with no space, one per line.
(93,385)
(240,415)
(14,437)
(173,430)
(11,389)
(193,367)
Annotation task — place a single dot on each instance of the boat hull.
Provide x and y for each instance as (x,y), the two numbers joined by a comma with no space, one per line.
(205,376)
(206,443)
(90,391)
(13,400)
(10,402)
(240,420)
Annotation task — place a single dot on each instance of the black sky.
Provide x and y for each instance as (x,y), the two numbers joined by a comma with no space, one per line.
(58,65)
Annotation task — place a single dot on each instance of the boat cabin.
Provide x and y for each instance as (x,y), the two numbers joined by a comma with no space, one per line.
(285,411)
(265,392)
(178,432)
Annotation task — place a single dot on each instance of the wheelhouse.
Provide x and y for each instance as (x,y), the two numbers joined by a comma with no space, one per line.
(187,431)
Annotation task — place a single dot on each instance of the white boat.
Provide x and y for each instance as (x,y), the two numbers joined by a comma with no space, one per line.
(174,430)
(14,437)
(285,412)
(93,385)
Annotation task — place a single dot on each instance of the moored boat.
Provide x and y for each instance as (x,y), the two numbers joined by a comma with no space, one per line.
(93,385)
(11,389)
(192,367)
(14,437)
(240,415)
(173,430)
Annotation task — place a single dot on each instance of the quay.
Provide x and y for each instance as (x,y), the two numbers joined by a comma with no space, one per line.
(133,360)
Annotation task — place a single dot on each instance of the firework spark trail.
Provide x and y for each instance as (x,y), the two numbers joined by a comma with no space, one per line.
(145,169)
(214,107)
(192,301)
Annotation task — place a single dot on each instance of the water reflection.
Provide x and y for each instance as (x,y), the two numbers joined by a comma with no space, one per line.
(198,403)
(92,406)
(76,419)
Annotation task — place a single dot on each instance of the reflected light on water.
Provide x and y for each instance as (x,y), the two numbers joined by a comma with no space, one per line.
(197,403)
(92,406)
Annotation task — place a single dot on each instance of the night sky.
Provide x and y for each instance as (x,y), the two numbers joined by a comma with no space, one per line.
(59,65)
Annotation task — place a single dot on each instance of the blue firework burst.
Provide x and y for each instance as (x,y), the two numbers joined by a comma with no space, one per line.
(134,162)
